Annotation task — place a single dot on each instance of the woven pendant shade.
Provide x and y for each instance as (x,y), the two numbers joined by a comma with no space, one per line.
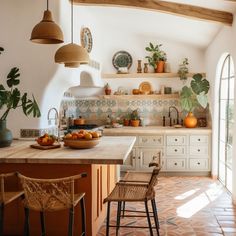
(47,31)
(72,55)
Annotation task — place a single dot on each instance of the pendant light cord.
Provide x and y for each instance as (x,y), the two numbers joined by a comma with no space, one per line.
(47,5)
(72,16)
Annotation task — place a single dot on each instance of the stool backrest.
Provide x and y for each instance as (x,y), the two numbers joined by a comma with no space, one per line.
(49,194)
(153,181)
(156,162)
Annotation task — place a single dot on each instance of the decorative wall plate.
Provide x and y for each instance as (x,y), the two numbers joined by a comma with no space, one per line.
(86,39)
(145,87)
(122,59)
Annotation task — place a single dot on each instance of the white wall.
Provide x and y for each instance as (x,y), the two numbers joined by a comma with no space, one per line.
(39,74)
(222,44)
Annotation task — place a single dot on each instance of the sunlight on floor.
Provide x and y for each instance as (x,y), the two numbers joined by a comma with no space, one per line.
(193,206)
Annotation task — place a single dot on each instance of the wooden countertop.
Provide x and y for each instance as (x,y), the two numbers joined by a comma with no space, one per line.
(152,130)
(110,150)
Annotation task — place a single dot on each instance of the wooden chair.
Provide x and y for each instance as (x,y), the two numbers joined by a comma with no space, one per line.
(6,197)
(52,195)
(134,192)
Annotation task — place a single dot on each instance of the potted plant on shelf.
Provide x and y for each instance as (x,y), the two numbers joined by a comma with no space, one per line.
(183,70)
(194,96)
(126,119)
(12,98)
(157,58)
(134,118)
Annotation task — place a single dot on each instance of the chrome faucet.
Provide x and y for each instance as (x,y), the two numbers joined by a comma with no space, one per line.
(56,120)
(177,113)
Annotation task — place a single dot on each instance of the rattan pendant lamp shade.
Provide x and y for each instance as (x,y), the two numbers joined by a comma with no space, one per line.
(47,31)
(72,55)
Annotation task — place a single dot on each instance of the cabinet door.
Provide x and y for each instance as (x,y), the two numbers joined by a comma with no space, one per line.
(151,140)
(130,162)
(175,164)
(176,140)
(146,155)
(199,139)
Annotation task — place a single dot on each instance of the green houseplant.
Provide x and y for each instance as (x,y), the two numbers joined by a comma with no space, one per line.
(11,98)
(183,70)
(194,96)
(157,58)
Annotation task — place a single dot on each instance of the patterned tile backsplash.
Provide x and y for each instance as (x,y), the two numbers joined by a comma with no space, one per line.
(96,110)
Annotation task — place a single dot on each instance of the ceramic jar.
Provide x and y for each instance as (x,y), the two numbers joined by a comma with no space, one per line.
(5,135)
(190,121)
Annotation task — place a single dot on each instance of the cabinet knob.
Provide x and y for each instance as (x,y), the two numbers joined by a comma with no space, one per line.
(176,150)
(198,150)
(199,140)
(133,157)
(176,140)
(176,164)
(198,163)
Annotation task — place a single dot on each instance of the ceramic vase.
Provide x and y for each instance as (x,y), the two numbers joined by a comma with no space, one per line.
(5,135)
(190,121)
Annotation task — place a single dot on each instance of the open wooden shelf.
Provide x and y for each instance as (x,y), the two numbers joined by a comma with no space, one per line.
(145,75)
(143,97)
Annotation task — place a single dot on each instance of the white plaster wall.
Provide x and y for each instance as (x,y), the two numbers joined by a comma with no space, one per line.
(222,44)
(39,74)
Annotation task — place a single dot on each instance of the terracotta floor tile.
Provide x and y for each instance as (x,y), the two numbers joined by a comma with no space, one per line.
(187,206)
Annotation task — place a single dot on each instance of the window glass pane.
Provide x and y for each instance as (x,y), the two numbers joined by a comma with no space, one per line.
(224,89)
(223,109)
(222,172)
(229,179)
(231,88)
(222,152)
(222,129)
(231,67)
(231,111)
(229,156)
(225,69)
(230,134)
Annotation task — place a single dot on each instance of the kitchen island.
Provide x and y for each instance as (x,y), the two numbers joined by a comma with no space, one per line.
(99,163)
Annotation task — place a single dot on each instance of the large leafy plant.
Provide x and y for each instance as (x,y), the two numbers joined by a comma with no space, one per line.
(12,98)
(195,95)
(156,54)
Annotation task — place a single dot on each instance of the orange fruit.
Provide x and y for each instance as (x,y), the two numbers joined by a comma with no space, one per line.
(68,136)
(88,136)
(95,135)
(80,135)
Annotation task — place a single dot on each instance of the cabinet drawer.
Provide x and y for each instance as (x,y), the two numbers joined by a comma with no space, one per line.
(199,164)
(198,150)
(175,150)
(199,139)
(150,140)
(175,164)
(176,140)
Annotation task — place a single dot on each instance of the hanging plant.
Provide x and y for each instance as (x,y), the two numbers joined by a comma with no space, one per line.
(183,70)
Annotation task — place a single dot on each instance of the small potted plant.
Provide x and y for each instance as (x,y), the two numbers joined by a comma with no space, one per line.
(157,58)
(183,70)
(194,96)
(107,89)
(134,118)
(11,98)
(126,119)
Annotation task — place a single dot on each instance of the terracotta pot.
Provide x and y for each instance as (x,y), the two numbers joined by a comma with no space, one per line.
(126,122)
(190,121)
(134,123)
(160,67)
(108,91)
(79,121)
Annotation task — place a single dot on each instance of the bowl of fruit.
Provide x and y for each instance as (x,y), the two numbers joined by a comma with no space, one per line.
(46,140)
(82,139)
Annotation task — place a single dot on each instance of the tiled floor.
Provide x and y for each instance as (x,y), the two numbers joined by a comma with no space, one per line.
(187,206)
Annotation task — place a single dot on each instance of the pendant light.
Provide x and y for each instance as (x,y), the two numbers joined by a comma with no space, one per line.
(47,31)
(72,55)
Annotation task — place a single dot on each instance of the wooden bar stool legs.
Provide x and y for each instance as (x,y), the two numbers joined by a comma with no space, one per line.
(1,218)
(108,218)
(83,216)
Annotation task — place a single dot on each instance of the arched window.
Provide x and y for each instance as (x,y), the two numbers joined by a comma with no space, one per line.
(226,122)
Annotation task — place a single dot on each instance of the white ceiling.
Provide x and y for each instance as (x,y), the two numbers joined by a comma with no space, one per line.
(165,26)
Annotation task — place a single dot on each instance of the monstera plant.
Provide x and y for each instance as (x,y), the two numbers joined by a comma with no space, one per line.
(12,98)
(195,95)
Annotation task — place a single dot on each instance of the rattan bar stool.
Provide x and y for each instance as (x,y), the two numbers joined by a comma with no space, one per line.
(6,197)
(142,177)
(52,195)
(134,192)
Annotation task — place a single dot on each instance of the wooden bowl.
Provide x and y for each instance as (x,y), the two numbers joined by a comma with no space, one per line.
(81,143)
(136,91)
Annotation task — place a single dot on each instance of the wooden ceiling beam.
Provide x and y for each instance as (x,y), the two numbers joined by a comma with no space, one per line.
(185,10)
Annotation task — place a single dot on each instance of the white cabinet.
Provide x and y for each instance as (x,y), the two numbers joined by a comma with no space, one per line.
(151,140)
(130,162)
(199,164)
(175,164)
